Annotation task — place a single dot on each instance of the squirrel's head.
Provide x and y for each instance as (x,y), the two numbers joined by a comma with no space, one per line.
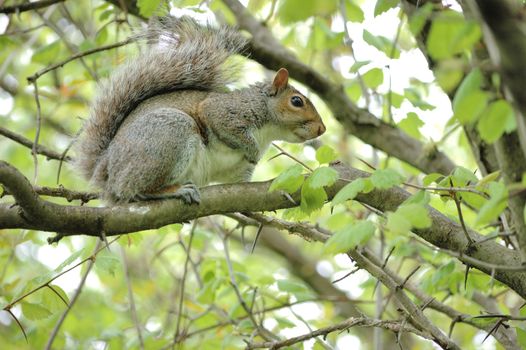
(293,110)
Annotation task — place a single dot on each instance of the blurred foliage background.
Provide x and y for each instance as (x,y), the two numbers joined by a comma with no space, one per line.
(415,68)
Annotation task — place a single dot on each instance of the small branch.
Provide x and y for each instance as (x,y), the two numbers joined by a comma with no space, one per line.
(39,149)
(41,72)
(262,331)
(394,326)
(133,309)
(28,6)
(75,297)
(177,333)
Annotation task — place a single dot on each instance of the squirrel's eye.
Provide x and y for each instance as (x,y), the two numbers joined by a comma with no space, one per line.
(296,101)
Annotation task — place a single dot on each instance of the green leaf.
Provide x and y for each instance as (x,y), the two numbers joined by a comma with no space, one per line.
(107,263)
(495,205)
(411,125)
(398,223)
(299,290)
(350,237)
(34,311)
(442,277)
(354,91)
(290,180)
(430,178)
(323,176)
(384,5)
(419,18)
(312,198)
(51,301)
(47,53)
(148,7)
(357,65)
(349,191)
(70,259)
(292,11)
(496,118)
(451,34)
(462,176)
(416,214)
(396,99)
(521,337)
(468,109)
(386,178)
(413,95)
(353,12)
(322,37)
(373,78)
(284,323)
(419,197)
(325,154)
(382,44)
(472,82)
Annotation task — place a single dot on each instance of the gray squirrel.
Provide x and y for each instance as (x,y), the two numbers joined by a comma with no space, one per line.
(164,122)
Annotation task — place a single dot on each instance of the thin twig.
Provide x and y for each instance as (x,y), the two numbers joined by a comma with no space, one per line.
(28,6)
(131,299)
(75,297)
(183,284)
(77,56)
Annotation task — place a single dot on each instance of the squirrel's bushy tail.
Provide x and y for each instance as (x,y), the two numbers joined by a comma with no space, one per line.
(181,55)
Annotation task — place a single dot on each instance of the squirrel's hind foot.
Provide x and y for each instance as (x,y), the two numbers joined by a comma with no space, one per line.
(188,193)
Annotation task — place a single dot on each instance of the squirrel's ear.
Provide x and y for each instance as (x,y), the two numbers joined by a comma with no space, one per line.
(280,81)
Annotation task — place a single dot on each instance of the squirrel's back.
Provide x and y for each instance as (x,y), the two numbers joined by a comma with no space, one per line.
(181,55)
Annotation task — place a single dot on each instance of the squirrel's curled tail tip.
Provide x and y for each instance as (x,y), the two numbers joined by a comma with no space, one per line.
(172,30)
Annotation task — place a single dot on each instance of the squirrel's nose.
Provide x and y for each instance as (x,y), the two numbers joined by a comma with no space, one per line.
(321,129)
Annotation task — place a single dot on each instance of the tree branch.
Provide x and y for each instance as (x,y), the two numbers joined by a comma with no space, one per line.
(28,6)
(34,213)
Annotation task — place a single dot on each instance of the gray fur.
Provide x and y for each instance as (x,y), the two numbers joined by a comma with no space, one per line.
(181,55)
(165,118)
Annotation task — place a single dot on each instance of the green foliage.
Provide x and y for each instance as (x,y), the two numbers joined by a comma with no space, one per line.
(283,269)
(386,178)
(497,118)
(290,180)
(350,237)
(325,154)
(384,5)
(373,78)
(382,43)
(411,124)
(292,11)
(148,7)
(408,216)
(451,34)
(495,205)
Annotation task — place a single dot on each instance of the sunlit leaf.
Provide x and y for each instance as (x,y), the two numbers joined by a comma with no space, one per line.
(386,178)
(326,154)
(322,177)
(349,237)
(290,180)
(34,311)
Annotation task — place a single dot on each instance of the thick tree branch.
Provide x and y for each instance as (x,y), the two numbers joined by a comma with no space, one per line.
(505,37)
(35,213)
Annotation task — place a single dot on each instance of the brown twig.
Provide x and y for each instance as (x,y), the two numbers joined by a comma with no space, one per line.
(28,6)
